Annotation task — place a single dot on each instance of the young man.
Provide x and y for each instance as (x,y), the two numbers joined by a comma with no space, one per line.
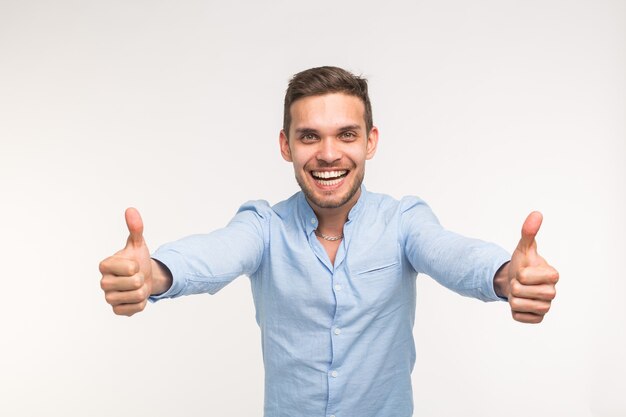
(333,267)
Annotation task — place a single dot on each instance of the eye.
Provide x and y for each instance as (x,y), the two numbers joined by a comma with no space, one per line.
(348,135)
(308,137)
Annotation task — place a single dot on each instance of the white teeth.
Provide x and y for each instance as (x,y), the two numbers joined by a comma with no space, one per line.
(331,182)
(328,174)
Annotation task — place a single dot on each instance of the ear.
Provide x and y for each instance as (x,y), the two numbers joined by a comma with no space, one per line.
(372,143)
(284,146)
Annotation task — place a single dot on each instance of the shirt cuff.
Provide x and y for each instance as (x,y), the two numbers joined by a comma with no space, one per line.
(498,257)
(174,262)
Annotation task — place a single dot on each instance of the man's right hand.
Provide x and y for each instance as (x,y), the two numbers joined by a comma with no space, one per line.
(127,276)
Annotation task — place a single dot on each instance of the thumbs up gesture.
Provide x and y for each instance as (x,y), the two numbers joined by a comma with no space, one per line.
(531,280)
(127,275)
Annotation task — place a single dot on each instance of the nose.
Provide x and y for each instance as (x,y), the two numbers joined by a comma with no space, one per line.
(329,151)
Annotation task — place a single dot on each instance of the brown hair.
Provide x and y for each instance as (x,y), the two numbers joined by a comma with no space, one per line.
(324,80)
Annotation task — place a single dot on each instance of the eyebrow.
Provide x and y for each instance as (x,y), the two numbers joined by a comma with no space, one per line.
(308,130)
(350,127)
(305,131)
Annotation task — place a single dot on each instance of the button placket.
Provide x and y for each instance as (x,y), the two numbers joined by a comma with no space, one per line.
(334,375)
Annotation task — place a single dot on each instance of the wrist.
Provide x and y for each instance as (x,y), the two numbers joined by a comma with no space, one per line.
(501,281)
(161,277)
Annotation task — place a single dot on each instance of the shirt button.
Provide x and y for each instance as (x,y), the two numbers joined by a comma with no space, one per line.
(337,331)
(313,220)
(337,287)
(332,415)
(334,374)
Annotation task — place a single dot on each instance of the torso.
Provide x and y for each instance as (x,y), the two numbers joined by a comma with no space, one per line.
(331,248)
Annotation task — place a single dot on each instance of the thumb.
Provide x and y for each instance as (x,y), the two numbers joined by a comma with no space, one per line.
(529,231)
(135,227)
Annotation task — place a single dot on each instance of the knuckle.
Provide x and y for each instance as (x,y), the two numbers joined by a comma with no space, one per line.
(516,287)
(109,298)
(137,282)
(102,266)
(137,296)
(515,303)
(551,293)
(544,308)
(132,267)
(144,293)
(522,275)
(555,276)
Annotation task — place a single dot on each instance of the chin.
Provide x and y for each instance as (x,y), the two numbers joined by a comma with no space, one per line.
(329,199)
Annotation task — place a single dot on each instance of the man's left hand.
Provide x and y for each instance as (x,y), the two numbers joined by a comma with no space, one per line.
(531,281)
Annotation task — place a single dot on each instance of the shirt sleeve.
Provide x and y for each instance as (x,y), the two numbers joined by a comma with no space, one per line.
(206,263)
(464,265)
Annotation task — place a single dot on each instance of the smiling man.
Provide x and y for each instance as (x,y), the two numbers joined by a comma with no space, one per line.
(333,267)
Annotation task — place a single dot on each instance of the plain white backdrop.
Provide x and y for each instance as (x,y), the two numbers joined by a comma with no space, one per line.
(487,110)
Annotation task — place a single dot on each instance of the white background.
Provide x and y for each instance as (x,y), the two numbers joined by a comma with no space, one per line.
(487,110)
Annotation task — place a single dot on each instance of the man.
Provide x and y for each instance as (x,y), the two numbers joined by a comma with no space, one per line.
(333,267)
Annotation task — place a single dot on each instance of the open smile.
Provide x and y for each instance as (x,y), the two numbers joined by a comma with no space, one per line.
(329,178)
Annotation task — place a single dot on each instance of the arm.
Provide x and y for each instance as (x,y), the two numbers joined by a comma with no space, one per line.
(196,264)
(464,265)
(206,263)
(478,269)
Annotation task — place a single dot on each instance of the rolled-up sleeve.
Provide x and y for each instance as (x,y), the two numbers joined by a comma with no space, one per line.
(464,265)
(206,263)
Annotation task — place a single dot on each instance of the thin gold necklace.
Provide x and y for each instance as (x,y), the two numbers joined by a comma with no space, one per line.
(326,237)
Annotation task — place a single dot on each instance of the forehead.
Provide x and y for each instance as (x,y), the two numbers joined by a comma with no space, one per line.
(327,111)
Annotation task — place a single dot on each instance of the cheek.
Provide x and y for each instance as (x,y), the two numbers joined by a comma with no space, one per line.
(298,164)
(358,157)
(301,160)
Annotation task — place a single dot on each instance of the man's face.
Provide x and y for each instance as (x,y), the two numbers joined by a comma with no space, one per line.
(328,145)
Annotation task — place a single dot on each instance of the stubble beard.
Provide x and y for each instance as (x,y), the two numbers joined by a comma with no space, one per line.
(329,204)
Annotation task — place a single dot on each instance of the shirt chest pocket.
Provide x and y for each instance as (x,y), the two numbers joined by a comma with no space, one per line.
(377,267)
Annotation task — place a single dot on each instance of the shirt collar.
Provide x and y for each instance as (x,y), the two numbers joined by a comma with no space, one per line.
(358,207)
(309,219)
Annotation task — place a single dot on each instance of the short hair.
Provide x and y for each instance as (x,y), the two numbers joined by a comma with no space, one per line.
(325,80)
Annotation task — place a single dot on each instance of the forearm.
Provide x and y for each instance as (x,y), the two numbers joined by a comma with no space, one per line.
(161,278)
(501,283)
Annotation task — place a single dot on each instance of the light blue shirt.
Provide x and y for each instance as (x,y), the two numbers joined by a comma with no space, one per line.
(337,340)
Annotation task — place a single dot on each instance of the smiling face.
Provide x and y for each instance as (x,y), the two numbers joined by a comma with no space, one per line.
(328,145)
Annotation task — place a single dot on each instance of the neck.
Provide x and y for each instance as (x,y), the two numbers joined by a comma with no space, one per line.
(331,220)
